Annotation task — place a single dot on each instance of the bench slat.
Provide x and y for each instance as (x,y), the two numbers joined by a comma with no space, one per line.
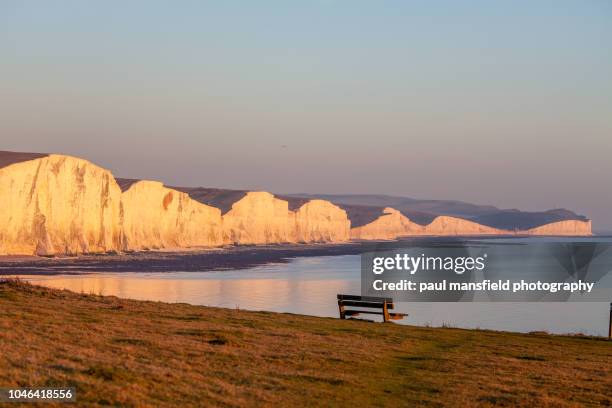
(365,298)
(376,305)
(393,316)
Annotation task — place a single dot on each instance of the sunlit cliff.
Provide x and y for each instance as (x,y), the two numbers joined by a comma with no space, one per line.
(57,204)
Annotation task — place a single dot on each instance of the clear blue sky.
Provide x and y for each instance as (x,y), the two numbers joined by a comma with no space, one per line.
(504,103)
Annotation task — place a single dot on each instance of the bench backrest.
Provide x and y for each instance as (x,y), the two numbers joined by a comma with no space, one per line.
(365,301)
(365,298)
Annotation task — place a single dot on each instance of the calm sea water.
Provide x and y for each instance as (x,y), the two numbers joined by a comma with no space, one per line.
(309,286)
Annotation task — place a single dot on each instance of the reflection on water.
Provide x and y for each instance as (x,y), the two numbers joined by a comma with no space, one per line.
(309,286)
(304,286)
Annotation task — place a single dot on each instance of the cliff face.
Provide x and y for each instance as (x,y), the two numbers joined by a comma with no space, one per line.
(444,225)
(393,224)
(567,228)
(321,221)
(259,218)
(390,225)
(157,217)
(64,205)
(58,205)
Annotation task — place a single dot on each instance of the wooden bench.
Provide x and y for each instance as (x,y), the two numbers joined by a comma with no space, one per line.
(368,302)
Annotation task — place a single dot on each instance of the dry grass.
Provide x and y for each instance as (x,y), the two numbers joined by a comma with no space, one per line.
(131,353)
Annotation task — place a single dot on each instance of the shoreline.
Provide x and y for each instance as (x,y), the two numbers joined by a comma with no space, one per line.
(195,260)
(192,260)
(211,259)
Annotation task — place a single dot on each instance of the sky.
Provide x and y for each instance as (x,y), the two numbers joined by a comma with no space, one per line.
(503,103)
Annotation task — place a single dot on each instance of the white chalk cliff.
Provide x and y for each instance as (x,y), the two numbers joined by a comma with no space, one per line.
(156,217)
(321,221)
(445,225)
(259,218)
(59,204)
(391,224)
(566,227)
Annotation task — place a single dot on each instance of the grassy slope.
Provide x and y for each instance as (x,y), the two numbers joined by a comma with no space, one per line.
(135,353)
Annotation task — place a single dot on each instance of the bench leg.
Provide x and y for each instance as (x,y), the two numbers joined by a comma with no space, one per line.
(386,316)
(341,310)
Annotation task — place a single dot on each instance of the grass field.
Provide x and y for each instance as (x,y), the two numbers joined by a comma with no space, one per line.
(133,353)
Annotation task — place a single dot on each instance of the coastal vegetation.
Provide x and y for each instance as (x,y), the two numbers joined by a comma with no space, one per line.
(121,352)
